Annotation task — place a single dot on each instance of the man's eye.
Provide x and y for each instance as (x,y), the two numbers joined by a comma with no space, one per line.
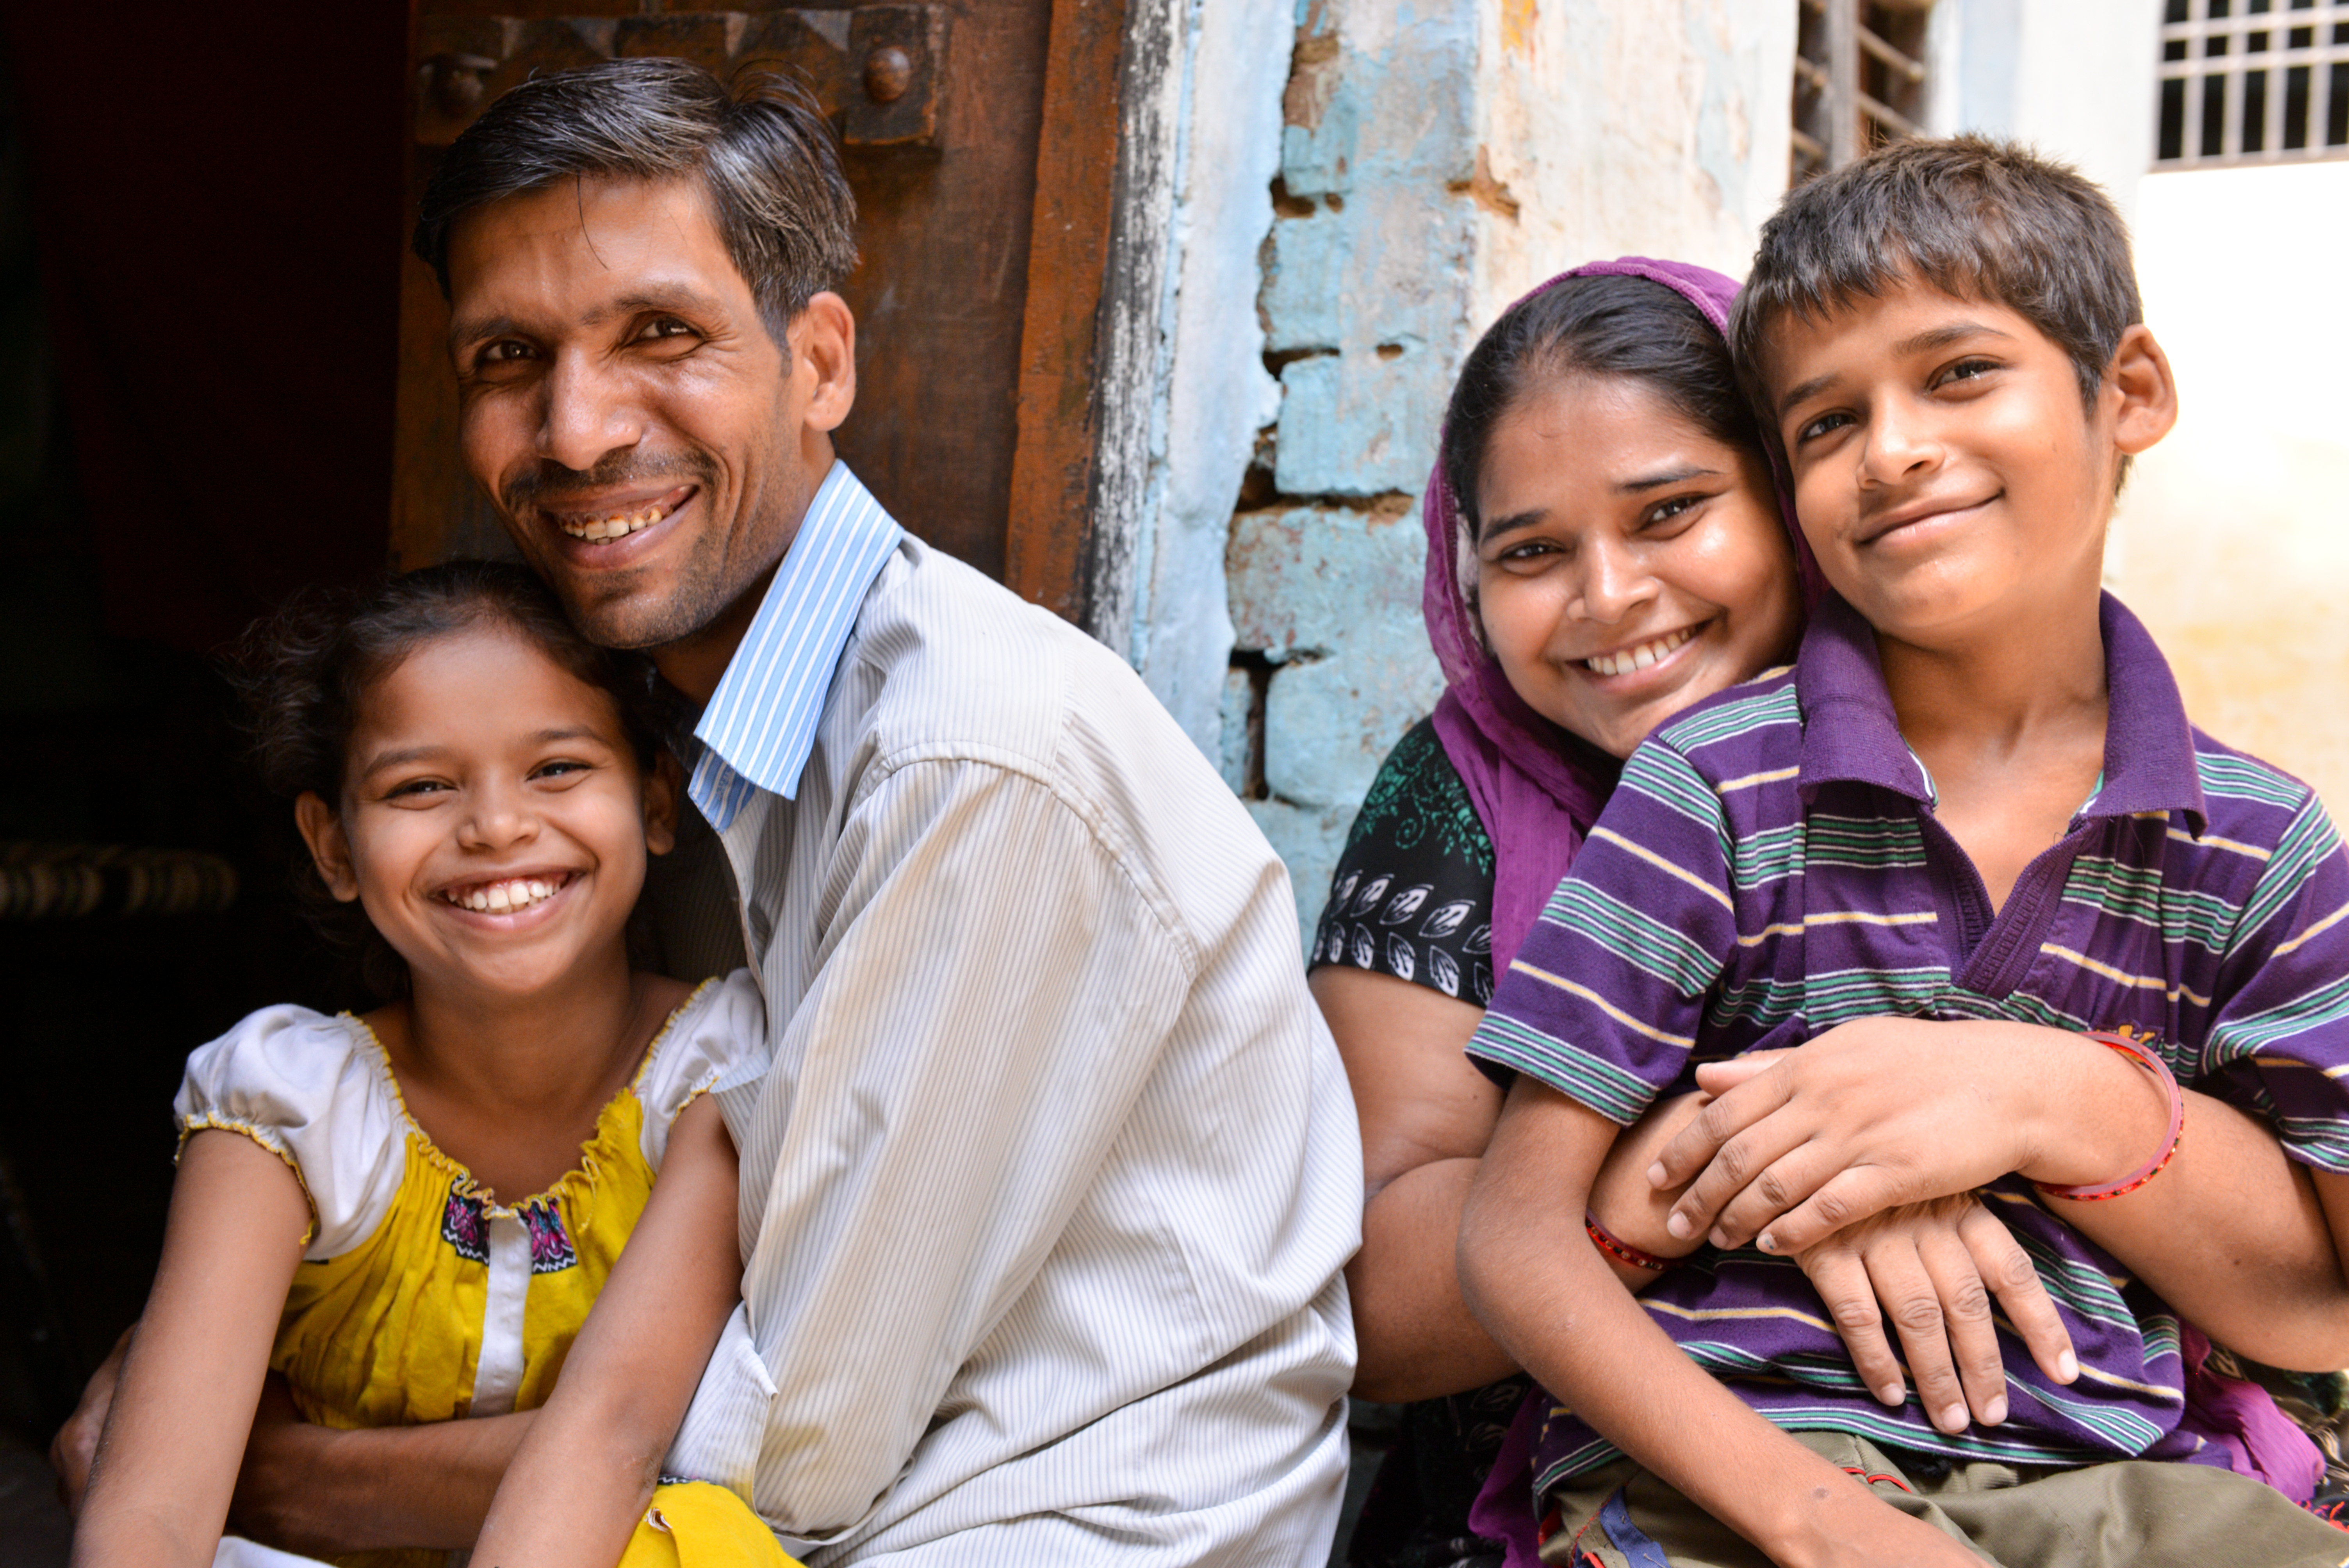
(664,326)
(503,352)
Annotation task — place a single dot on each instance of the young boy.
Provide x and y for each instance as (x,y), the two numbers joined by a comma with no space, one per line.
(1971,828)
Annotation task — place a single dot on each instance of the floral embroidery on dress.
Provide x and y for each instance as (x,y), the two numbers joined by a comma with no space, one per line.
(465,1226)
(550,1242)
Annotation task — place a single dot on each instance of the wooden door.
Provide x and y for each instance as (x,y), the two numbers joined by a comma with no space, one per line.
(978,294)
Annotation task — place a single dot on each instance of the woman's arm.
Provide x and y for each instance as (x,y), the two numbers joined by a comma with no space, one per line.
(167,1461)
(1531,1275)
(587,1466)
(2233,1233)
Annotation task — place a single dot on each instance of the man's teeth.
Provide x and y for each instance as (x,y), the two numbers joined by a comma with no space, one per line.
(506,897)
(1640,657)
(620,527)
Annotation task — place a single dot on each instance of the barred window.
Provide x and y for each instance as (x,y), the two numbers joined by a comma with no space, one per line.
(2252,81)
(1860,78)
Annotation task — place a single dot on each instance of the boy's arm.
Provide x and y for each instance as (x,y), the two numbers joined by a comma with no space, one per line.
(167,1461)
(587,1466)
(1533,1277)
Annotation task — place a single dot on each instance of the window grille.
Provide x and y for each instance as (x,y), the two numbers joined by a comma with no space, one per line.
(2252,81)
(1860,78)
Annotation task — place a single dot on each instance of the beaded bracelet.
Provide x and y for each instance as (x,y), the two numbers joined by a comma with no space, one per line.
(2162,1157)
(1608,1242)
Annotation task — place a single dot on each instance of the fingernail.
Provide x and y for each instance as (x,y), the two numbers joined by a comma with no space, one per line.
(1892,1394)
(1766,1241)
(1656,1177)
(1953,1419)
(2068,1366)
(1995,1411)
(1678,1225)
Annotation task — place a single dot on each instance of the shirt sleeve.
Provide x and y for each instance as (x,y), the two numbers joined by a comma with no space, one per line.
(2284,1015)
(1603,1001)
(1412,894)
(718,1035)
(995,986)
(313,1091)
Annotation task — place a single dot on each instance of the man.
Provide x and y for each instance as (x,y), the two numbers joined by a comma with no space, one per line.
(1045,1199)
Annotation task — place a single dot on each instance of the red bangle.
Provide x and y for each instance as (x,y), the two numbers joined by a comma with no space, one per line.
(1608,1242)
(2152,1063)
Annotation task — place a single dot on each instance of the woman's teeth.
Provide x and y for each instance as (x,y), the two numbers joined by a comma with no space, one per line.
(509,897)
(1640,657)
(620,527)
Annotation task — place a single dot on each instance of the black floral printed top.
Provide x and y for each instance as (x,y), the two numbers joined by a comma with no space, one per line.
(1413,894)
(1413,897)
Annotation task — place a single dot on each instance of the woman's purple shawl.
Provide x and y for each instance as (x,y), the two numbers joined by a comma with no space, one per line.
(1536,788)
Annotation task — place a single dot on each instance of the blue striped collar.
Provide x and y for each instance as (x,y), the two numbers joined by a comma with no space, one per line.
(761,723)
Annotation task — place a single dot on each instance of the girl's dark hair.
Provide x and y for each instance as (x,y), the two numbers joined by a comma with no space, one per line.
(1605,324)
(303,672)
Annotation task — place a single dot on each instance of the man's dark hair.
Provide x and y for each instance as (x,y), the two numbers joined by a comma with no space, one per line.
(764,153)
(1604,324)
(1974,218)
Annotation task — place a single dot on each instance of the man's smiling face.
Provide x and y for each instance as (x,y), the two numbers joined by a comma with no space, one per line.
(650,446)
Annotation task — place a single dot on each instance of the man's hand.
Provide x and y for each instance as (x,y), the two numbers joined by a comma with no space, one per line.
(1882,1111)
(74,1448)
(1935,1267)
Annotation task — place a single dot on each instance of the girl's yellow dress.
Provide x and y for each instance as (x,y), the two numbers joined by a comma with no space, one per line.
(420,1296)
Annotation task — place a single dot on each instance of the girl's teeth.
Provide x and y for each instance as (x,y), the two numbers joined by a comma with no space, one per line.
(507,897)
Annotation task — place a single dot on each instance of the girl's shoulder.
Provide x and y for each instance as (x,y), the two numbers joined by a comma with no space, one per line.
(717,1037)
(314,1089)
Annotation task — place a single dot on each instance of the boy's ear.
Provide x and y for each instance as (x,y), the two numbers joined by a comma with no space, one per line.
(663,785)
(329,847)
(2140,374)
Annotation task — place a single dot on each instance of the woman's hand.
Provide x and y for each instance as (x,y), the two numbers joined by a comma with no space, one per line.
(1935,1267)
(1882,1111)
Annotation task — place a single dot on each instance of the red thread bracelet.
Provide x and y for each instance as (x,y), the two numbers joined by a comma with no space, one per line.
(1621,1250)
(2154,1167)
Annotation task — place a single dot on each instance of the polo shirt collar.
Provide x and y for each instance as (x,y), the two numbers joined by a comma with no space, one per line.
(760,724)
(1851,733)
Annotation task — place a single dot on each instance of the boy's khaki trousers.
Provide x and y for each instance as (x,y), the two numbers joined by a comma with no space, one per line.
(2134,1513)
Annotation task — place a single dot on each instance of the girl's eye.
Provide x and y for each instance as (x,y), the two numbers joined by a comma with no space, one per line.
(415,787)
(1823,424)
(560,768)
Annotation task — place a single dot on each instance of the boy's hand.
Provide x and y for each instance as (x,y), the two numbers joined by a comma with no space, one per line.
(76,1444)
(1882,1111)
(1935,1266)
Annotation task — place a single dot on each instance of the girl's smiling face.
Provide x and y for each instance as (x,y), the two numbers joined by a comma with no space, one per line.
(493,820)
(1629,564)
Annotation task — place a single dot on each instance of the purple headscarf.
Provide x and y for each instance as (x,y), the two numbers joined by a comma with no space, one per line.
(1536,788)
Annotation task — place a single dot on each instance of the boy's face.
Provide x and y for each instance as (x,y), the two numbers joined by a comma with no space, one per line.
(1947,473)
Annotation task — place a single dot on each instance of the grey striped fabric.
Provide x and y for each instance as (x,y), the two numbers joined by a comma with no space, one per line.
(1046,1197)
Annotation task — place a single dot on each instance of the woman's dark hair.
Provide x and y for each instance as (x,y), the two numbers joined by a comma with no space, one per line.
(304,672)
(1605,324)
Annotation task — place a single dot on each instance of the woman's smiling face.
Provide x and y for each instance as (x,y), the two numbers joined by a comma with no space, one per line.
(1629,563)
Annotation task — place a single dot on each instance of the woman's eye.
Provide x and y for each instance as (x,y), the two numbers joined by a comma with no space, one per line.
(1680,506)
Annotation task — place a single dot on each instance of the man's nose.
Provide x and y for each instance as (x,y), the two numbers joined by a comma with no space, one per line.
(591,412)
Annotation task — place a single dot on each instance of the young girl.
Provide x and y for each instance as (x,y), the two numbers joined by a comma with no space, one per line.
(408,1213)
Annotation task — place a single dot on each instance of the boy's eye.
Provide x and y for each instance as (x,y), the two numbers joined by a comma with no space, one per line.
(1967,369)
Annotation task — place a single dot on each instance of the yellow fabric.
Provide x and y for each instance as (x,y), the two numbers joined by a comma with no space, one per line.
(391,1332)
(693,1524)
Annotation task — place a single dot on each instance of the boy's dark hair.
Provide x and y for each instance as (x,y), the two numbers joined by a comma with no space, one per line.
(764,153)
(303,672)
(1974,218)
(1603,324)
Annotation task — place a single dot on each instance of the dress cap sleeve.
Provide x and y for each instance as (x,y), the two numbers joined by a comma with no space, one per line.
(718,1036)
(315,1091)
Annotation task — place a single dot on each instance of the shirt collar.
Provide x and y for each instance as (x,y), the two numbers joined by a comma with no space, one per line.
(761,723)
(1851,733)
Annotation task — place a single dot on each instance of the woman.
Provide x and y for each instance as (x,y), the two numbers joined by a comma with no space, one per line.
(1605,546)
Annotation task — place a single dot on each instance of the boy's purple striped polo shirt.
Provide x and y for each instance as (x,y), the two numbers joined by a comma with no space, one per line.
(1770,867)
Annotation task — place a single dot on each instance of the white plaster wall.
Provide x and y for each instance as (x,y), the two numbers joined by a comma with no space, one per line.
(1217,393)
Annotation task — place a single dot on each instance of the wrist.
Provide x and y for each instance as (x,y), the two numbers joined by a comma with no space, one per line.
(2109,1114)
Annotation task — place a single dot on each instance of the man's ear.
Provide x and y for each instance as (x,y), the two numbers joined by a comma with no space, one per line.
(330,848)
(822,339)
(2148,391)
(664,784)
